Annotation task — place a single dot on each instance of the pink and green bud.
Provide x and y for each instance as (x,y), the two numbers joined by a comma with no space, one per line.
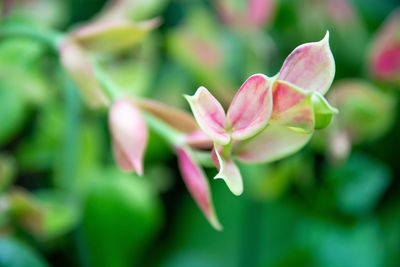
(385,52)
(129,135)
(197,184)
(80,69)
(112,35)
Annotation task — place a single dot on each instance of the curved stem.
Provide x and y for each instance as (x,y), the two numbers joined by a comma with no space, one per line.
(109,87)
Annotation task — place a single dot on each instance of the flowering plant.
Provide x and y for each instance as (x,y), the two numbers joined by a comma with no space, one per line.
(268,119)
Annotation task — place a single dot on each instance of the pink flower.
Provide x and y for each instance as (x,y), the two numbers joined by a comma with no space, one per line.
(298,105)
(269,118)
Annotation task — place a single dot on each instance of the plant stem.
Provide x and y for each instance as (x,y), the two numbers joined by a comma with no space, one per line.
(109,87)
(203,158)
(169,134)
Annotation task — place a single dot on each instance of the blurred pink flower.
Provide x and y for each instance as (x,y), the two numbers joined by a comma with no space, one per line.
(385,51)
(249,14)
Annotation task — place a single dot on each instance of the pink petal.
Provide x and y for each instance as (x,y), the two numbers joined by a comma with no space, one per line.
(129,134)
(197,184)
(209,115)
(198,139)
(310,66)
(251,107)
(292,107)
(228,171)
(274,143)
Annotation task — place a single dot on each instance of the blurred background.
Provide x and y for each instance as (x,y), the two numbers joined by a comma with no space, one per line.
(64,202)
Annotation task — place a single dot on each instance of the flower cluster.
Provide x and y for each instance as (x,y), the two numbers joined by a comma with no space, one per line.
(268,119)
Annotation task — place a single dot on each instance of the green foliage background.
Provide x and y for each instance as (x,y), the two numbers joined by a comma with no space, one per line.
(63,202)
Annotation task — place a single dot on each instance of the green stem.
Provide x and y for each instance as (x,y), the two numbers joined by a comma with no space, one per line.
(109,87)
(168,133)
(203,158)
(48,37)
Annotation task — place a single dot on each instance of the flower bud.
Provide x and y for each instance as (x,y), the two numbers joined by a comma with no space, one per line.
(129,135)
